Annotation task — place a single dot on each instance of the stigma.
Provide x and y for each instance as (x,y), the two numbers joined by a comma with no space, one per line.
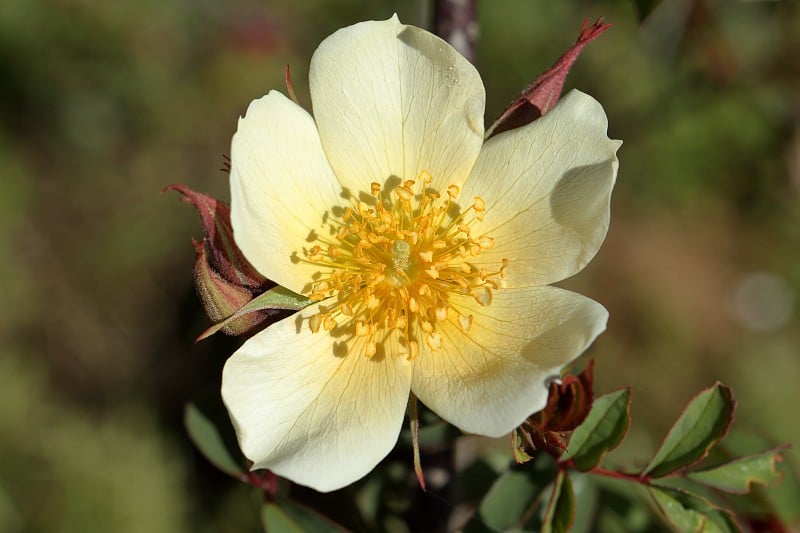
(396,263)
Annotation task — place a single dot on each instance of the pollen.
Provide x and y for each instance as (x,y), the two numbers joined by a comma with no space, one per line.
(397,262)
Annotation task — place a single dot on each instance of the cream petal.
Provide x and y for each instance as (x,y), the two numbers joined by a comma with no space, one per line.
(394,100)
(490,379)
(547,188)
(308,411)
(281,188)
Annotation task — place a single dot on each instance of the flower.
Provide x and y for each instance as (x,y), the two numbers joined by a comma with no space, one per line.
(428,253)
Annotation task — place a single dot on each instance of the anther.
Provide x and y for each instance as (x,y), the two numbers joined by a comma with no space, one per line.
(413,350)
(483,295)
(434,341)
(370,349)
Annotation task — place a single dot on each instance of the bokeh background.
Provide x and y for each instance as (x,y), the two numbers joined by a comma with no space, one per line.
(102,104)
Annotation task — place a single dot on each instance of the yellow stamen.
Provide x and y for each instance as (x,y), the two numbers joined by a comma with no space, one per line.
(402,263)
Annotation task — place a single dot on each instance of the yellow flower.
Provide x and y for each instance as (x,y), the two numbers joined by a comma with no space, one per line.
(428,253)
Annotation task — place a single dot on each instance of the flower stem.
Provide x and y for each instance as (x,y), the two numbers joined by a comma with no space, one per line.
(455,21)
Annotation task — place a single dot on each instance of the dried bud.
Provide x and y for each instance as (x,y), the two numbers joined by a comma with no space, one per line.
(569,402)
(224,279)
(223,254)
(221,298)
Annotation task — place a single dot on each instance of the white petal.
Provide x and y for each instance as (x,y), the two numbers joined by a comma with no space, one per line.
(308,411)
(547,188)
(394,100)
(489,380)
(281,188)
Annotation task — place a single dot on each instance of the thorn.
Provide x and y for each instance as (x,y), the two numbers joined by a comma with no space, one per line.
(290,86)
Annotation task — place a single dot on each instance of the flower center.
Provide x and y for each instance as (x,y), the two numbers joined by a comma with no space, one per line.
(395,263)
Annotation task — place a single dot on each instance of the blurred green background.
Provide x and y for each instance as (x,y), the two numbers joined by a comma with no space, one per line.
(102,104)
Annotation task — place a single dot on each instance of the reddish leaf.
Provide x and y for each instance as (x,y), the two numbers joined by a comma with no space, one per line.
(224,256)
(543,92)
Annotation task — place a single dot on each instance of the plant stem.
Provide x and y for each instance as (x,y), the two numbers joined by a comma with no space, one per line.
(644,480)
(455,21)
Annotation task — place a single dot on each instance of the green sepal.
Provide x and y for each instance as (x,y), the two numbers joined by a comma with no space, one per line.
(275,298)
(706,419)
(601,431)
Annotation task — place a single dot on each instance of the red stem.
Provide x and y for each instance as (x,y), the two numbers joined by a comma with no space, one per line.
(644,480)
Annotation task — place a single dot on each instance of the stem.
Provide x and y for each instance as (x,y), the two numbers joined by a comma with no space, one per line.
(644,480)
(413,418)
(455,21)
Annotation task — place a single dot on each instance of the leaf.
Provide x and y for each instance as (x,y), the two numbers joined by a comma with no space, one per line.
(285,516)
(737,475)
(561,509)
(515,494)
(602,431)
(587,499)
(543,92)
(704,421)
(210,443)
(689,512)
(275,298)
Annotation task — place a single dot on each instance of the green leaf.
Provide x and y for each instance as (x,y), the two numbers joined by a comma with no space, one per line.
(689,512)
(275,298)
(561,509)
(587,499)
(208,440)
(705,420)
(737,475)
(603,430)
(515,494)
(285,516)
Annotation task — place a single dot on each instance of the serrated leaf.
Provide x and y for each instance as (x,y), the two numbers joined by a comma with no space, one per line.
(704,421)
(515,493)
(561,509)
(285,516)
(689,512)
(208,440)
(275,298)
(736,476)
(601,431)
